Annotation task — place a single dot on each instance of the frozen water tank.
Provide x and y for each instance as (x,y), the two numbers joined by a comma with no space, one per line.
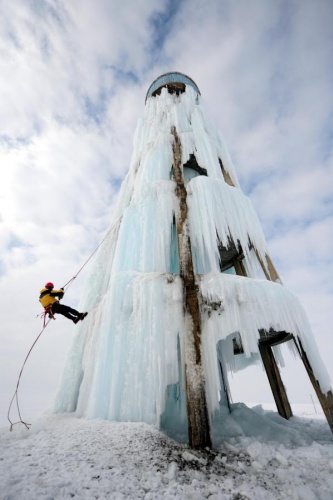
(175,82)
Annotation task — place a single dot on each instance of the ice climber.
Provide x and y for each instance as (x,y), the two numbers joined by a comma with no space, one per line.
(52,306)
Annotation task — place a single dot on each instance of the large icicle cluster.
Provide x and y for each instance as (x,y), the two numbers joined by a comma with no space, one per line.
(245,306)
(126,362)
(217,210)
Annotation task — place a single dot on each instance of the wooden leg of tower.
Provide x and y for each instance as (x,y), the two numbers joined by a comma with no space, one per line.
(275,381)
(239,268)
(269,270)
(197,410)
(272,270)
(326,400)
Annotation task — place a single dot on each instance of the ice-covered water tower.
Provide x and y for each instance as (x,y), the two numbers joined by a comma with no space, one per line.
(183,290)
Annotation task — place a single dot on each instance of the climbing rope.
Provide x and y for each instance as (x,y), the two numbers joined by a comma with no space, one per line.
(15,395)
(67,285)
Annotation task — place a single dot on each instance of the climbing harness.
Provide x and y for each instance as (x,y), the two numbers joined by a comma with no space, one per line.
(48,311)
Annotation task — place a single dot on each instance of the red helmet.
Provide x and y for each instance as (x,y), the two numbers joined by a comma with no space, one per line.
(49,285)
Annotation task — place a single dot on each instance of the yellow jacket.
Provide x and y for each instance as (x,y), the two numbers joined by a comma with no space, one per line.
(48,297)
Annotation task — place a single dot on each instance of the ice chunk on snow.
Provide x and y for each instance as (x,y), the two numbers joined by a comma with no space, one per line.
(172,471)
(281,459)
(254,449)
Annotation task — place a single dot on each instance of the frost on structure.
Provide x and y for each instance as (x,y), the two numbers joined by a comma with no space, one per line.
(127,360)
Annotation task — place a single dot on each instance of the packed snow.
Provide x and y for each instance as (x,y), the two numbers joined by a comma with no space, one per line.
(261,457)
(127,359)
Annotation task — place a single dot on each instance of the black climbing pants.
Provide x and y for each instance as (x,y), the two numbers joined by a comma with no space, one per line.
(67,311)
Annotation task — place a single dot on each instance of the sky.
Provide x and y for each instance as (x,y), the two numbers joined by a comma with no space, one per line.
(73,80)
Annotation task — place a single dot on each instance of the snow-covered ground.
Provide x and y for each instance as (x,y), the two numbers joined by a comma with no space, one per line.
(267,458)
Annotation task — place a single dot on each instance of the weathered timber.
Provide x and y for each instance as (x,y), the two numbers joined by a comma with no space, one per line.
(273,338)
(269,270)
(197,413)
(275,381)
(239,268)
(226,174)
(325,400)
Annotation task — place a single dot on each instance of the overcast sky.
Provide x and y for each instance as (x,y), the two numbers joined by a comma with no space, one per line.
(73,79)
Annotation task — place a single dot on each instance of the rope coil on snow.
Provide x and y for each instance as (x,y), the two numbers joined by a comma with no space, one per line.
(67,285)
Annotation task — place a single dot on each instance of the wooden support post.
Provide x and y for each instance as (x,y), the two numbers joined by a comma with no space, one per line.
(197,413)
(325,400)
(226,174)
(275,381)
(272,270)
(269,270)
(239,268)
